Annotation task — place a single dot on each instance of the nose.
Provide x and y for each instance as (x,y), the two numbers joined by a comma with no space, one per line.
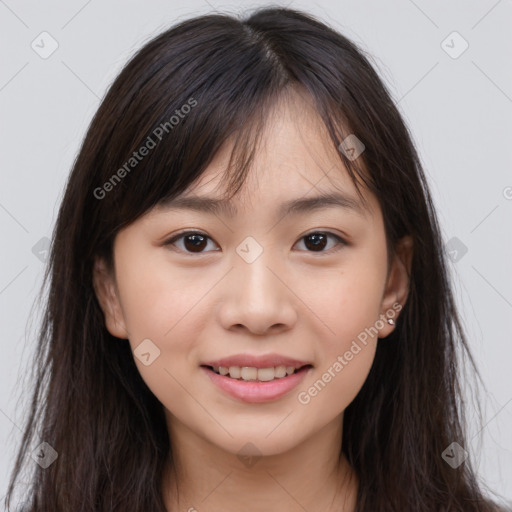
(257,298)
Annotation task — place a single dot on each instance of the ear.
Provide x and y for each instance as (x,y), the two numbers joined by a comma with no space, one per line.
(107,294)
(397,286)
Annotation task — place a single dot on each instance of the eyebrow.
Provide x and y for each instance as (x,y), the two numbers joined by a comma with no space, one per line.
(301,205)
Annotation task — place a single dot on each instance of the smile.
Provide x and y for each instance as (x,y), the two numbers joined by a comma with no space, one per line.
(251,384)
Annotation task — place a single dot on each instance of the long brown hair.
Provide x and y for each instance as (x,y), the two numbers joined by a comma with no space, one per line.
(89,401)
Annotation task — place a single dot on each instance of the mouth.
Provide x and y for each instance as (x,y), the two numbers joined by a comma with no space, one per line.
(252,373)
(256,384)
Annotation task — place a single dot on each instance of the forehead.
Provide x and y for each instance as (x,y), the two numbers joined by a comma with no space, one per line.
(295,168)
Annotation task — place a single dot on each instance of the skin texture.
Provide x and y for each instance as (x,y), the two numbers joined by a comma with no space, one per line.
(292,300)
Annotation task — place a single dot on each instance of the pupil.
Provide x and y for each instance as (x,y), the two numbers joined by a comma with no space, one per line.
(199,243)
(319,244)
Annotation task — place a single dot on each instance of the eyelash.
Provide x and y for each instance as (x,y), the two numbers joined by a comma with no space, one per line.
(184,234)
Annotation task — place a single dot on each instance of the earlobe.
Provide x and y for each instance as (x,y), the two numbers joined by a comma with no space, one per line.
(397,287)
(106,293)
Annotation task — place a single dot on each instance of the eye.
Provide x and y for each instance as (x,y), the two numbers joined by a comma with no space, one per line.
(195,241)
(317,240)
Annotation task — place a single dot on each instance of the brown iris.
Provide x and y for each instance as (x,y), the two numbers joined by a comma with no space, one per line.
(319,241)
(197,242)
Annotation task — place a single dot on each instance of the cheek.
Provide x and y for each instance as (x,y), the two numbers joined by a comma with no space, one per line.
(159,300)
(348,301)
(345,360)
(349,307)
(335,385)
(168,306)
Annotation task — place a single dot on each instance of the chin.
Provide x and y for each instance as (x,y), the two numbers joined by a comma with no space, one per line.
(256,443)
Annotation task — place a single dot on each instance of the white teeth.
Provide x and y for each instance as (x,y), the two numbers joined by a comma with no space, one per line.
(265,374)
(251,373)
(234,372)
(280,371)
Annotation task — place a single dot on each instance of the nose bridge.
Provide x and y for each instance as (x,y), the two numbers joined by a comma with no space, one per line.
(255,297)
(253,278)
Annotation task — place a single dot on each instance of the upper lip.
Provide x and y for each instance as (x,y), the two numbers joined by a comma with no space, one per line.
(264,361)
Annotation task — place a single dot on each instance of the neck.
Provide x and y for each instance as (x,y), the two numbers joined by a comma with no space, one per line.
(309,477)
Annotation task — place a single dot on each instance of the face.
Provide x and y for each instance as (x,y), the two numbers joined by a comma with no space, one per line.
(260,288)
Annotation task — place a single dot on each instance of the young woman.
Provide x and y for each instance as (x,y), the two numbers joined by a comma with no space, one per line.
(249,304)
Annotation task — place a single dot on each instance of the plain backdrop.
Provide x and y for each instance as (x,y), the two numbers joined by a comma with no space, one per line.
(454,91)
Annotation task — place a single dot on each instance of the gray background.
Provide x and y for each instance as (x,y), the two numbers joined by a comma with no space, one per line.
(459,111)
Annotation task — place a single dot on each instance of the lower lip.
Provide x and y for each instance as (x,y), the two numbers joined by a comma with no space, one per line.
(256,391)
